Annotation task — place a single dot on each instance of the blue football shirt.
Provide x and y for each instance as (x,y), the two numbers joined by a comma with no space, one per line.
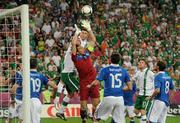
(165,83)
(36,81)
(114,77)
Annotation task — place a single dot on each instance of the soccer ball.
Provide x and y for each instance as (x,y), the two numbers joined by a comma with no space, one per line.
(86,10)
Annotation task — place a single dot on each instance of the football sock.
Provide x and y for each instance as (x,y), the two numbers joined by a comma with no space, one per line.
(143,119)
(83,114)
(65,102)
(131,121)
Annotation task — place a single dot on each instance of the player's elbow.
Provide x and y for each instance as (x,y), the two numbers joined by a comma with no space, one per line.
(130,86)
(157,91)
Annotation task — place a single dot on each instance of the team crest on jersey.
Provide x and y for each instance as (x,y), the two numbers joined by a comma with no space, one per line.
(83,56)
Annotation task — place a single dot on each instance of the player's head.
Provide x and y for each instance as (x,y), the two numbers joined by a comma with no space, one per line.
(80,49)
(161,66)
(142,63)
(33,63)
(84,34)
(115,58)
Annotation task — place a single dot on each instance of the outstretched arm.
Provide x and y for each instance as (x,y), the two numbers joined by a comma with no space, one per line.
(74,40)
(91,38)
(74,48)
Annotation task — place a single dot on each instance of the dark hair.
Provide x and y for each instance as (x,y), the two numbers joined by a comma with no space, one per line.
(84,29)
(115,58)
(33,63)
(143,59)
(161,65)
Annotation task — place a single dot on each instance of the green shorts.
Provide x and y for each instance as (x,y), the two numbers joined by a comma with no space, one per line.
(70,81)
(142,103)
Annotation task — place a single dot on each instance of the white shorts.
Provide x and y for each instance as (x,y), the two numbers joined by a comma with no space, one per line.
(61,88)
(158,112)
(35,108)
(19,108)
(111,106)
(130,111)
(12,111)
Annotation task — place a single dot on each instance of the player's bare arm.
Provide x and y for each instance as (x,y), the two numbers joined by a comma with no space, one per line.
(172,94)
(74,49)
(128,86)
(155,93)
(14,88)
(52,84)
(75,39)
(91,38)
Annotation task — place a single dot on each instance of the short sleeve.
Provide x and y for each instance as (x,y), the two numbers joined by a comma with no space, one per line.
(45,80)
(157,82)
(102,74)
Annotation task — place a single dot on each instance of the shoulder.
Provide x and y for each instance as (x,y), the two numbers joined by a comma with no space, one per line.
(150,72)
(105,68)
(123,69)
(18,75)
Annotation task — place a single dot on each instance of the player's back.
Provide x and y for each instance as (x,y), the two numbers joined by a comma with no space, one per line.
(165,83)
(115,77)
(68,63)
(37,80)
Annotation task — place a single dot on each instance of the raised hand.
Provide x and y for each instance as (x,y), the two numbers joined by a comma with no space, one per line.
(86,25)
(77,30)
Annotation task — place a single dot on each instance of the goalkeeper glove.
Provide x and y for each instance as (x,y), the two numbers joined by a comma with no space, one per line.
(86,25)
(77,30)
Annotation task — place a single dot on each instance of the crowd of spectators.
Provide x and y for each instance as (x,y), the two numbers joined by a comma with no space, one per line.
(134,28)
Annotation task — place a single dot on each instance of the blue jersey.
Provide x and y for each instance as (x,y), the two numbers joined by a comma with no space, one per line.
(18,81)
(36,82)
(163,82)
(114,78)
(128,96)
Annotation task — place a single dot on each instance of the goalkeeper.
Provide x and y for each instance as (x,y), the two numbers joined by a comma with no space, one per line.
(82,45)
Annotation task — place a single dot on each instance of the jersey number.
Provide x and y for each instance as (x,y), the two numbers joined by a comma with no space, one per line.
(115,78)
(36,84)
(167,87)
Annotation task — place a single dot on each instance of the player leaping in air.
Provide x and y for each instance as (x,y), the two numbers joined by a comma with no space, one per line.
(69,78)
(82,44)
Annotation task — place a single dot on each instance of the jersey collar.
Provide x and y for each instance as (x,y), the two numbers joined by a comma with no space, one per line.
(161,72)
(115,65)
(33,70)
